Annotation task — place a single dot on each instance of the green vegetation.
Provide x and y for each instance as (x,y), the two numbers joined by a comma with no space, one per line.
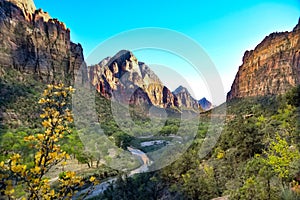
(30,178)
(256,157)
(18,96)
(29,155)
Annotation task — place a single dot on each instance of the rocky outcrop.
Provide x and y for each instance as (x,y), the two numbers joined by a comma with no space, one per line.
(124,78)
(26,6)
(185,99)
(32,42)
(205,104)
(129,81)
(273,67)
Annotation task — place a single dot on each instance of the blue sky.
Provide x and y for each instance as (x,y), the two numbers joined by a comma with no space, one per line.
(224,29)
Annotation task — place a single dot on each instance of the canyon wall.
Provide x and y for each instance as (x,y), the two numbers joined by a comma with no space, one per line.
(273,67)
(33,42)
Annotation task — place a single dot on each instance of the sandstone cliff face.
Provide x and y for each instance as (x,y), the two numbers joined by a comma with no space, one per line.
(127,80)
(27,7)
(32,42)
(185,99)
(34,49)
(273,67)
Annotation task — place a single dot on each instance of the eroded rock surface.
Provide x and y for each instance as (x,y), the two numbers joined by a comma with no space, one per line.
(273,67)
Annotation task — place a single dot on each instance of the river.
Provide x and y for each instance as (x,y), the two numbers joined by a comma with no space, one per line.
(100,188)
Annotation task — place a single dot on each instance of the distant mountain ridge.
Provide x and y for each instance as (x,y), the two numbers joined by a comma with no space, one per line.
(185,99)
(134,82)
(180,89)
(205,104)
(272,68)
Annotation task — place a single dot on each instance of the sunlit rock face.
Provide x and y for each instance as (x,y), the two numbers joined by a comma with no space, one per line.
(185,99)
(273,67)
(131,81)
(32,42)
(27,7)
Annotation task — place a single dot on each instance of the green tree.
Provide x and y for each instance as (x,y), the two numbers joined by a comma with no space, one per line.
(282,157)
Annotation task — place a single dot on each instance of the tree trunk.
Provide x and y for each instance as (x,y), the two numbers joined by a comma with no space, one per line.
(97,164)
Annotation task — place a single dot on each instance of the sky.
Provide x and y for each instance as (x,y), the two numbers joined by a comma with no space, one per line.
(223,29)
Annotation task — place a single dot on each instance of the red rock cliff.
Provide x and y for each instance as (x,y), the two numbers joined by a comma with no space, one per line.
(32,42)
(273,67)
(133,82)
(130,81)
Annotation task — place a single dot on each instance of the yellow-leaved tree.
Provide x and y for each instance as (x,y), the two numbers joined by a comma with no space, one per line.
(56,118)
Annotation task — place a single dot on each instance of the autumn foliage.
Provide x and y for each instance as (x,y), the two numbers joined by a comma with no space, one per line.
(56,117)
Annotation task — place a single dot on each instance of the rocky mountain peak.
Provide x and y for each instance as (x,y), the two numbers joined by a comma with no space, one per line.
(297,27)
(27,6)
(134,82)
(185,99)
(123,56)
(205,104)
(41,15)
(181,89)
(124,61)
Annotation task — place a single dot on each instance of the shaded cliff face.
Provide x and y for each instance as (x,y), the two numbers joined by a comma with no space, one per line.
(34,49)
(32,42)
(124,78)
(273,67)
(205,104)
